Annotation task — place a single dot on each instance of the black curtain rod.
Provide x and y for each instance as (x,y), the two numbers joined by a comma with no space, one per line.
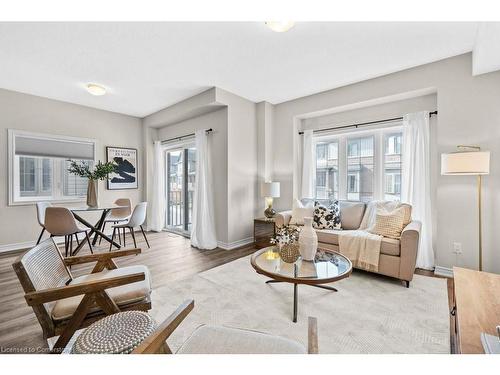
(365,123)
(183,136)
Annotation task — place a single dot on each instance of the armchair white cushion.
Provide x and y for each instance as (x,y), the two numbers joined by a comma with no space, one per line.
(223,340)
(122,295)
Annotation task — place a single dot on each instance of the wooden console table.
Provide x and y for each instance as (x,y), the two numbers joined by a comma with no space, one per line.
(477,307)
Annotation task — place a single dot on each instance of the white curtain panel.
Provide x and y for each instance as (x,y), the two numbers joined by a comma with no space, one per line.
(157,203)
(416,180)
(308,165)
(203,234)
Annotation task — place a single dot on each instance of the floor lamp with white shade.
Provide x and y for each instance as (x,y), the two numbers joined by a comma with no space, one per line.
(469,161)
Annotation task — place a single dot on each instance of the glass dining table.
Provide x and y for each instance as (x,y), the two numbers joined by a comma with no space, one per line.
(96,229)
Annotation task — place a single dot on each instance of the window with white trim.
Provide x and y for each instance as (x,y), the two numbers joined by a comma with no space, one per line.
(38,167)
(367,168)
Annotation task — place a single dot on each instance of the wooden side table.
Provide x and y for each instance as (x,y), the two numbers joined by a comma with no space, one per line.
(477,308)
(263,230)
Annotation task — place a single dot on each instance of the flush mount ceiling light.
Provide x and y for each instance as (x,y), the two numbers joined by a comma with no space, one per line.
(280,26)
(96,89)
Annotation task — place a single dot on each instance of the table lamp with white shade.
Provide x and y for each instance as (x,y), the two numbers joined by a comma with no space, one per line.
(469,161)
(270,190)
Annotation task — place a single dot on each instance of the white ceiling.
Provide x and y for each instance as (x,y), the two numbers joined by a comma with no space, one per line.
(149,66)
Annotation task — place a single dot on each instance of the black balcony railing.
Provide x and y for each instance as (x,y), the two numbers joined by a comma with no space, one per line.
(175,209)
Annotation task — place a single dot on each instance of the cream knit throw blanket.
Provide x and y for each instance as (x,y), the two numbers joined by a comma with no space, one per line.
(361,246)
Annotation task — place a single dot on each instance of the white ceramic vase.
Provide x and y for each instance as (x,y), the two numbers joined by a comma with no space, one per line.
(308,240)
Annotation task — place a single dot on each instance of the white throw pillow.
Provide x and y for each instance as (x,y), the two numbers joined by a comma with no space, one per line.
(299,212)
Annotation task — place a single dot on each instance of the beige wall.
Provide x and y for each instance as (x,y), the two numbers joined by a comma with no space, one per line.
(218,141)
(18,224)
(242,166)
(234,158)
(265,115)
(469,112)
(372,112)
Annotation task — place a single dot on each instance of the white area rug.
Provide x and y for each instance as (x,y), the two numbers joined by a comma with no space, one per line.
(369,313)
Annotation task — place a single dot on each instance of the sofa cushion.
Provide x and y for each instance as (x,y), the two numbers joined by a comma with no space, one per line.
(388,246)
(351,214)
(121,295)
(330,236)
(407,217)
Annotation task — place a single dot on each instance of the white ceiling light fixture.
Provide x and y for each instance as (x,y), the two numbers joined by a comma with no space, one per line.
(280,26)
(96,89)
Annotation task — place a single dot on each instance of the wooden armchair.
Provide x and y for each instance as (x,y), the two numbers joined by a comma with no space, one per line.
(222,340)
(63,303)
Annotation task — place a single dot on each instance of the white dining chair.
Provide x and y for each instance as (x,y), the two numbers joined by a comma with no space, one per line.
(119,215)
(136,220)
(40,215)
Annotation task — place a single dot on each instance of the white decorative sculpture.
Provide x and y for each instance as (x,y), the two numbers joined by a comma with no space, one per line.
(308,240)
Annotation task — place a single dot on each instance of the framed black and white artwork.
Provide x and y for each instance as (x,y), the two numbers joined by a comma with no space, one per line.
(126,174)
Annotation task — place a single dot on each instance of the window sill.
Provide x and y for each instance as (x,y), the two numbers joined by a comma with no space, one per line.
(55,201)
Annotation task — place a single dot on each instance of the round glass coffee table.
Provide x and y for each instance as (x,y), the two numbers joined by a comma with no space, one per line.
(327,267)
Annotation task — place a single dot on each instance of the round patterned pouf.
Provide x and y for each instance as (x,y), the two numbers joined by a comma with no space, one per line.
(118,333)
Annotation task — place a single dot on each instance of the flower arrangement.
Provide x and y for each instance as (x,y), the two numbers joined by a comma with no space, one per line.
(286,235)
(100,172)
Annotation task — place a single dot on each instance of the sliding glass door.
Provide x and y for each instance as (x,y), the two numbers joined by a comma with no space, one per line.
(181,176)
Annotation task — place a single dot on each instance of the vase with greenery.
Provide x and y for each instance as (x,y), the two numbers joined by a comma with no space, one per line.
(100,171)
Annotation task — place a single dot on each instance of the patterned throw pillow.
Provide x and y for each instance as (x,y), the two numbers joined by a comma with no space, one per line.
(326,217)
(390,224)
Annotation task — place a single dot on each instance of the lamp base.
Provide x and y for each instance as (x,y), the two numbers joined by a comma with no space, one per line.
(270,212)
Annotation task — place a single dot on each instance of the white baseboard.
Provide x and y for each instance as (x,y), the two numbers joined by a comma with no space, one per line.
(235,244)
(13,247)
(443,271)
(10,247)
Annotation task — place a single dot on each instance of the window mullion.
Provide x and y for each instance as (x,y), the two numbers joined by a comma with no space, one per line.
(342,162)
(57,179)
(379,166)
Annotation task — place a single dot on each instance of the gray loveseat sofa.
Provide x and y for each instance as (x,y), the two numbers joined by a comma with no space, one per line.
(397,256)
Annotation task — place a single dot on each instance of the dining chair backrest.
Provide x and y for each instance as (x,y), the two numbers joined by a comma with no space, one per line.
(139,215)
(40,212)
(59,221)
(123,212)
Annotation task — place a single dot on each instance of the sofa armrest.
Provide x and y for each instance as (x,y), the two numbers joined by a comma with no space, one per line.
(282,218)
(410,238)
